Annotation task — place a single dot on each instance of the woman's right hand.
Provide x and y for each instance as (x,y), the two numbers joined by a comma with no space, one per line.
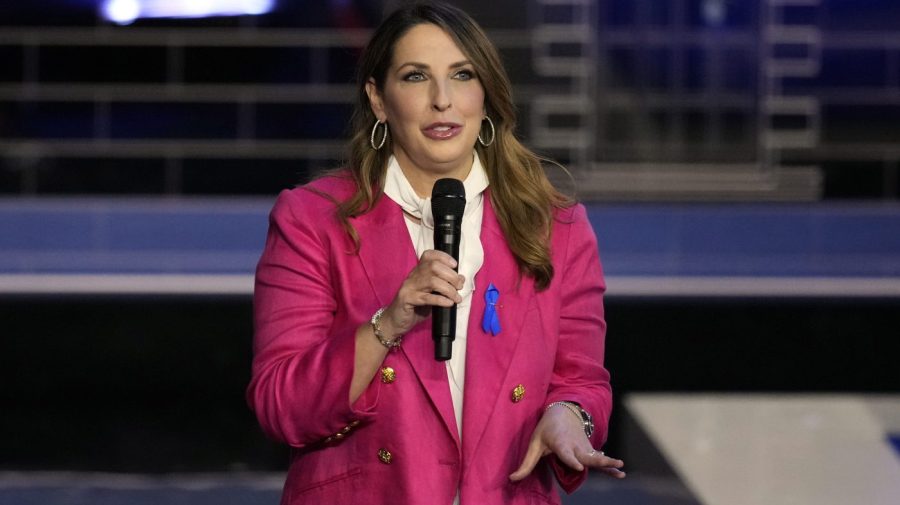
(433,282)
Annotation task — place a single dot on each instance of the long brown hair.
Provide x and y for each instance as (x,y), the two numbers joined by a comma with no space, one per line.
(522,196)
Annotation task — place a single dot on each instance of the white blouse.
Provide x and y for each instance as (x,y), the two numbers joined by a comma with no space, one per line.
(471,256)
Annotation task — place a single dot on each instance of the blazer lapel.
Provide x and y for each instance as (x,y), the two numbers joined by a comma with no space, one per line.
(387,255)
(488,356)
(385,249)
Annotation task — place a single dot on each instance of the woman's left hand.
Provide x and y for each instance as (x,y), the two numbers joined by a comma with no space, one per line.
(559,432)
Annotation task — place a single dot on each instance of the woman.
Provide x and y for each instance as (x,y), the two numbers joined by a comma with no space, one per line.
(344,370)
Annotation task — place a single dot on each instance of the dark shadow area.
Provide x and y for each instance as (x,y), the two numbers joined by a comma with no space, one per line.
(129,385)
(135,384)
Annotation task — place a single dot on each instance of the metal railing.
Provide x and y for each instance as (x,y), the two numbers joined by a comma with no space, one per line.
(616,103)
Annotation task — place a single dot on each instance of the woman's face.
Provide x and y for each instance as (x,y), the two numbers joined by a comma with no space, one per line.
(433,103)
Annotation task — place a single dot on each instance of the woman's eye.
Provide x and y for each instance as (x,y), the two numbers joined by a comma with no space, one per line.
(414,76)
(465,75)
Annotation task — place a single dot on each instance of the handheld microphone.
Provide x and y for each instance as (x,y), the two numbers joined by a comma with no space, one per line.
(448,202)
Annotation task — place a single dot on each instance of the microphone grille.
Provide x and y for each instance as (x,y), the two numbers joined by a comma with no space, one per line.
(448,197)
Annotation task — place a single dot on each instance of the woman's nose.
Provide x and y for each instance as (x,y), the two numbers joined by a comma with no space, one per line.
(441,99)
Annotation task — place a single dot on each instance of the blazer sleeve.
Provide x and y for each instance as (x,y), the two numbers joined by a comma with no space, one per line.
(578,373)
(303,357)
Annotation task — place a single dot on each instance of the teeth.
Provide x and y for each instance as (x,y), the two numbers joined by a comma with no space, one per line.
(442,128)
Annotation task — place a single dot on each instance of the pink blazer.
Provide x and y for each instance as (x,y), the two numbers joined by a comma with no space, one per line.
(399,442)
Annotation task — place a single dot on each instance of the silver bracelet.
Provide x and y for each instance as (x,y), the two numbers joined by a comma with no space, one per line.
(569,405)
(390,344)
(587,421)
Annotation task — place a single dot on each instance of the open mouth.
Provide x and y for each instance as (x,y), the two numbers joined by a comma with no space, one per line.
(442,131)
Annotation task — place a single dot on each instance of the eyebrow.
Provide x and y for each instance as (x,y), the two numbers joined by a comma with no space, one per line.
(417,64)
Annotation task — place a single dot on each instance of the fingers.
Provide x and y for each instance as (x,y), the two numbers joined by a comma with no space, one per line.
(613,472)
(599,461)
(553,436)
(439,300)
(568,458)
(443,266)
(441,256)
(534,454)
(576,459)
(433,281)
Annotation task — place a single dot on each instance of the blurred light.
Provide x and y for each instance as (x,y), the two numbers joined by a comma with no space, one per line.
(127,11)
(123,12)
(256,7)
(714,12)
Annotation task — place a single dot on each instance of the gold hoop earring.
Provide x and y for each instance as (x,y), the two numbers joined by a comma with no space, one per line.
(493,133)
(383,137)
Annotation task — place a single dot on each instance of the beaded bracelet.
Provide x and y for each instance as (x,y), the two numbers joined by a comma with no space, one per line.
(390,344)
(569,405)
(587,421)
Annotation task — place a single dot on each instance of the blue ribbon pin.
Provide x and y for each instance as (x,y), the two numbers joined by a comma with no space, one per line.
(491,321)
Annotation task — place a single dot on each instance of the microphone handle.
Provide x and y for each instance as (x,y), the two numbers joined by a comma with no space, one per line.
(443,330)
